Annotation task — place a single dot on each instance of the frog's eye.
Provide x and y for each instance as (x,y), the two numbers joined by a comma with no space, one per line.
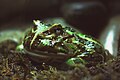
(47,33)
(57,29)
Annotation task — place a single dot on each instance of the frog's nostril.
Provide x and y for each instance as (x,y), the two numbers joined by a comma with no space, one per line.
(34,27)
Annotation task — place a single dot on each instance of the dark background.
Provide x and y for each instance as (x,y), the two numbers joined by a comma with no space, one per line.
(90,16)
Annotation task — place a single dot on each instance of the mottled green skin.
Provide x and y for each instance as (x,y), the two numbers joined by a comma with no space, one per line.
(57,43)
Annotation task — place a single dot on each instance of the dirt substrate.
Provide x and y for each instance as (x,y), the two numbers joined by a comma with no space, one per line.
(16,66)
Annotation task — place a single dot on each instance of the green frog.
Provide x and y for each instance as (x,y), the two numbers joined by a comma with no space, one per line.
(56,43)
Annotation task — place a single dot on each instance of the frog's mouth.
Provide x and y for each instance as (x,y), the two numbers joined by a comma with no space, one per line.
(44,55)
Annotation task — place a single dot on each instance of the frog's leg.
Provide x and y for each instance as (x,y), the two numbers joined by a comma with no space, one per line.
(76,61)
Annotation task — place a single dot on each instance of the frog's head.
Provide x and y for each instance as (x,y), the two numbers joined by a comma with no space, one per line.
(46,30)
(42,34)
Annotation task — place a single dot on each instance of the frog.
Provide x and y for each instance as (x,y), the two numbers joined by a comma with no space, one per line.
(56,43)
